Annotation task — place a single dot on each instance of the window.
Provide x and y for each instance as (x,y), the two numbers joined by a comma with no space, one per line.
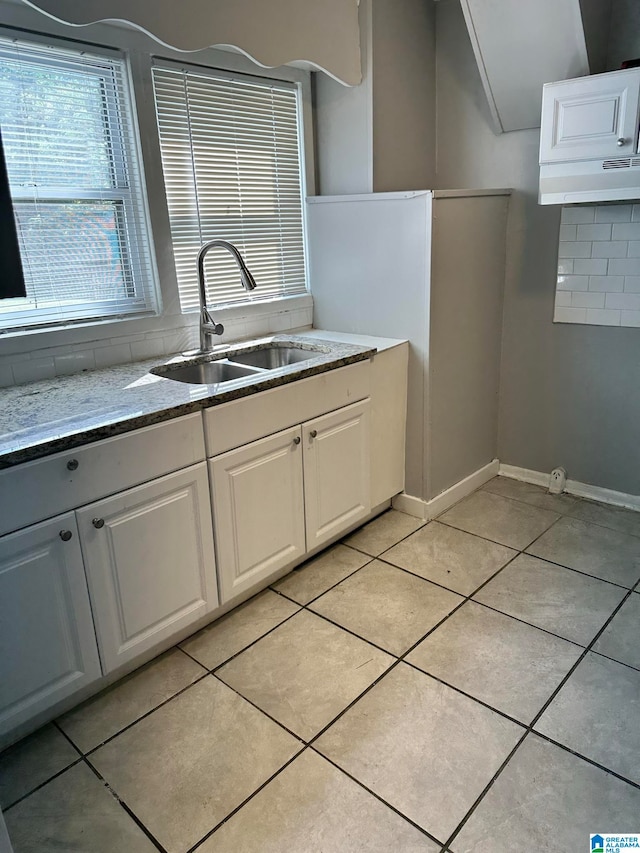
(232,169)
(69,145)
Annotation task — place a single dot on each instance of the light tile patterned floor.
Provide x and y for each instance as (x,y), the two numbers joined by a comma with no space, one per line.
(467,685)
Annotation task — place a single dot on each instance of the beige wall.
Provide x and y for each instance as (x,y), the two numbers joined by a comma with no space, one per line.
(380,136)
(273,32)
(569,395)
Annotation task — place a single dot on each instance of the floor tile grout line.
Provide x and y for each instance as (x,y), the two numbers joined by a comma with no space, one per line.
(375,795)
(213,669)
(333,586)
(530,727)
(571,569)
(528,503)
(483,793)
(440,520)
(530,624)
(262,711)
(138,719)
(248,799)
(467,695)
(124,806)
(586,758)
(78,760)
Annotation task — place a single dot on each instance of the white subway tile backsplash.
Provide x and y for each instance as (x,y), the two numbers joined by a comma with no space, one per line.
(594,232)
(568,232)
(624,266)
(590,266)
(614,213)
(33,370)
(563,298)
(114,354)
(573,282)
(74,362)
(606,283)
(577,215)
(587,300)
(599,269)
(627,301)
(565,265)
(611,249)
(6,376)
(624,231)
(147,349)
(572,249)
(603,317)
(570,315)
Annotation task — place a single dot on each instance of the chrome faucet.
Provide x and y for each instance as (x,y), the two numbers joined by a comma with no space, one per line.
(208,325)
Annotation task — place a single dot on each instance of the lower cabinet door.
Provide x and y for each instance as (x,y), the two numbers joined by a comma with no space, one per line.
(150,562)
(47,641)
(258,506)
(336,472)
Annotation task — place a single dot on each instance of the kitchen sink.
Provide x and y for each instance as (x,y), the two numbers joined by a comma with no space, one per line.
(271,357)
(204,373)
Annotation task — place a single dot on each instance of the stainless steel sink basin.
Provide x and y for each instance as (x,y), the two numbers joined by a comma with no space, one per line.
(205,373)
(268,358)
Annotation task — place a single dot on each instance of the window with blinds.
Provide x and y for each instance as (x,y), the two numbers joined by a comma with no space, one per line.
(232,169)
(69,145)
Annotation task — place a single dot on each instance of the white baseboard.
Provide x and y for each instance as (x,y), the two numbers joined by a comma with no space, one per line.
(526,475)
(430,509)
(573,487)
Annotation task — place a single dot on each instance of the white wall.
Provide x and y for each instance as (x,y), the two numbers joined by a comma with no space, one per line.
(569,395)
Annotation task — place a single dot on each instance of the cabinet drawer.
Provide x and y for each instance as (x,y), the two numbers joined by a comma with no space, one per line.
(250,418)
(40,489)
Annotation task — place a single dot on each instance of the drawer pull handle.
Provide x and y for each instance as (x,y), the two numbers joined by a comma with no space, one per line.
(72,464)
(622,141)
(65,535)
(313,433)
(296,439)
(98,523)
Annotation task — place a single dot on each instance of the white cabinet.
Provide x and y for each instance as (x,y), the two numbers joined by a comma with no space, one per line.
(336,472)
(47,642)
(258,501)
(150,562)
(589,139)
(591,117)
(279,497)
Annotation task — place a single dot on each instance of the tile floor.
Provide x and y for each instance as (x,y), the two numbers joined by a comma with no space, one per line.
(470,684)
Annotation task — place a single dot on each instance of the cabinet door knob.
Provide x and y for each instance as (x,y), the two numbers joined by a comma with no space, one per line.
(313,433)
(622,141)
(296,439)
(98,523)
(72,464)
(65,535)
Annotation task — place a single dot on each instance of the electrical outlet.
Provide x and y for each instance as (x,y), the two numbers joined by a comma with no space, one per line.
(558,481)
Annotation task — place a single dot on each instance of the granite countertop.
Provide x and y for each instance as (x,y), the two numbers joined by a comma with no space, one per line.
(58,414)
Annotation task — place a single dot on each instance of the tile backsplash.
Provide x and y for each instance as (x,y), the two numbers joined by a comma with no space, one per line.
(176,335)
(599,265)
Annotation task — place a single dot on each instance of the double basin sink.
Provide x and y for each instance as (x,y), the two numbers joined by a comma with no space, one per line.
(237,365)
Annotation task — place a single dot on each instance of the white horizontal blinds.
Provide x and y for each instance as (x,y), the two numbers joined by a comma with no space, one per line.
(232,170)
(71,159)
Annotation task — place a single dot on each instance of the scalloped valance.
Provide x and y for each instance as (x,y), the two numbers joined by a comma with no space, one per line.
(322,33)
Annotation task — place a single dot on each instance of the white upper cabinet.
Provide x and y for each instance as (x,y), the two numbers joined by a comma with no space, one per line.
(591,117)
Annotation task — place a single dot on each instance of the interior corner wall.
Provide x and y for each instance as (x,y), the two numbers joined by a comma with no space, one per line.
(569,394)
(380,136)
(404,88)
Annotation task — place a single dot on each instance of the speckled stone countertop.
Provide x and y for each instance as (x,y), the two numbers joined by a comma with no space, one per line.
(58,414)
